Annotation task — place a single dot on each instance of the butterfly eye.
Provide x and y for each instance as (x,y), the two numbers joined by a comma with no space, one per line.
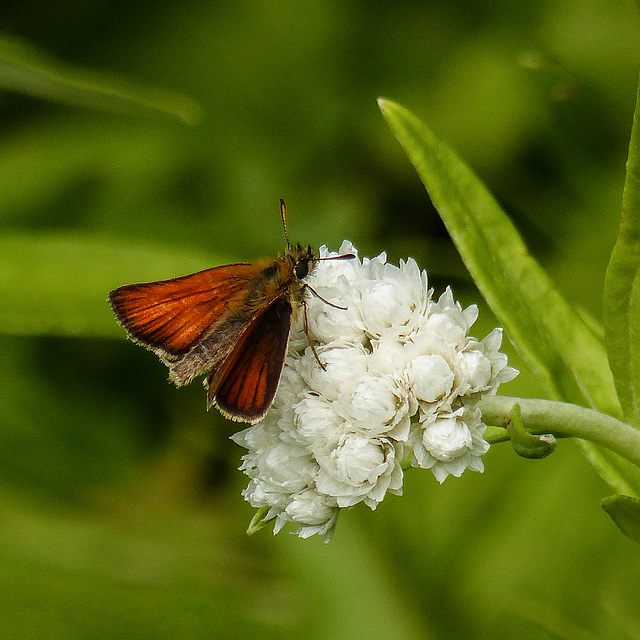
(301,269)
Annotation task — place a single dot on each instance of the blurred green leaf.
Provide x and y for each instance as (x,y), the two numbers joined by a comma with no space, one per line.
(625,512)
(554,341)
(139,571)
(25,69)
(58,284)
(622,288)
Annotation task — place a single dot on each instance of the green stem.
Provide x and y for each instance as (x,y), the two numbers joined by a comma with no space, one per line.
(563,420)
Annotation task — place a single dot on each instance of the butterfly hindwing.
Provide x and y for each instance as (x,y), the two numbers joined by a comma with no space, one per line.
(246,384)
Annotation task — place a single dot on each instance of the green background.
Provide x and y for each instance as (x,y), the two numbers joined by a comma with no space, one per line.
(120,506)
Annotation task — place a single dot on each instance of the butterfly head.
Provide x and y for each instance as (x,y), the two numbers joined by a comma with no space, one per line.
(303,260)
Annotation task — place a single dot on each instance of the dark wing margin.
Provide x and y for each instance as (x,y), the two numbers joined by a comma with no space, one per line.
(244,388)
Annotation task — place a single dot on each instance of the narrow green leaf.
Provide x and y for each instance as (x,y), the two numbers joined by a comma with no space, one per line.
(622,288)
(259,521)
(625,512)
(560,349)
(552,338)
(26,70)
(58,284)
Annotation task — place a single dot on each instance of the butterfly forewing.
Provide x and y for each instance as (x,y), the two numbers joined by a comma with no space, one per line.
(172,316)
(245,387)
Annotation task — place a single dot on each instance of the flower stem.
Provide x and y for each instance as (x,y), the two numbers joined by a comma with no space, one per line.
(563,420)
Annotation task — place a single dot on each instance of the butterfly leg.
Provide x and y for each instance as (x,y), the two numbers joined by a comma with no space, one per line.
(317,295)
(305,325)
(306,320)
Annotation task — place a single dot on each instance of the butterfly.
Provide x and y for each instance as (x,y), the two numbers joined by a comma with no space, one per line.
(230,322)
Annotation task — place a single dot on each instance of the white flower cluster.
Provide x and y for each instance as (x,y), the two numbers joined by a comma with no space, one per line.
(399,385)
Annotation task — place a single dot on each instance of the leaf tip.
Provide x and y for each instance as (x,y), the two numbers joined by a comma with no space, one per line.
(625,512)
(384,104)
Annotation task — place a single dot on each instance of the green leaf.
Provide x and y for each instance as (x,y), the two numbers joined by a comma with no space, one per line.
(525,444)
(58,284)
(625,512)
(26,70)
(259,521)
(622,288)
(554,341)
(561,350)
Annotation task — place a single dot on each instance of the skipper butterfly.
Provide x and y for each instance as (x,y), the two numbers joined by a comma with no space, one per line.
(230,322)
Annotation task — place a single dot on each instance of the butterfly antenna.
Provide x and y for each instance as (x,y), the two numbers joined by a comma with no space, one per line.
(283,215)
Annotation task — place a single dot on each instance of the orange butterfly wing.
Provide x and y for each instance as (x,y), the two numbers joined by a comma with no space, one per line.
(246,385)
(173,318)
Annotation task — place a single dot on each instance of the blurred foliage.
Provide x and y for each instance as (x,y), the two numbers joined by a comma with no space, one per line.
(119,500)
(26,70)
